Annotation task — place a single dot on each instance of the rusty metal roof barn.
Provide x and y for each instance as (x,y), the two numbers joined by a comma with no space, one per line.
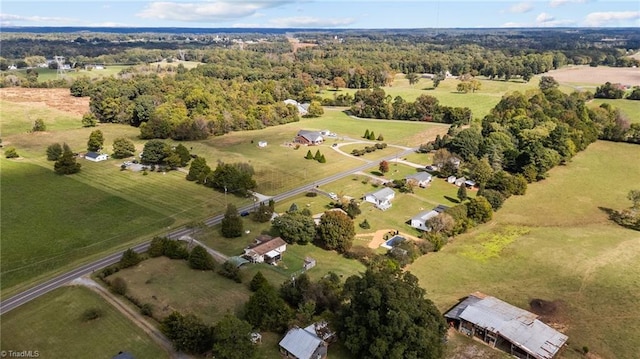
(520,327)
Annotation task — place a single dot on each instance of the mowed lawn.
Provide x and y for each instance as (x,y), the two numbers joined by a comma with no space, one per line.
(52,325)
(49,221)
(556,244)
(630,108)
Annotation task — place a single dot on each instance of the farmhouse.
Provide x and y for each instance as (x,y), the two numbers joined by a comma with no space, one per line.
(501,325)
(266,250)
(419,221)
(303,108)
(307,343)
(421,179)
(309,137)
(381,198)
(96,157)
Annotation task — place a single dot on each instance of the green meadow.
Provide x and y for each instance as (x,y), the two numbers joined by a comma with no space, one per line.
(556,243)
(50,221)
(52,325)
(630,108)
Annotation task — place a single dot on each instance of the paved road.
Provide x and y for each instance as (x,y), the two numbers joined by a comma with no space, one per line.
(32,293)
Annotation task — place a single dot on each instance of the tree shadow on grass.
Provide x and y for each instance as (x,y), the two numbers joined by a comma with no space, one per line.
(610,212)
(454,200)
(377,173)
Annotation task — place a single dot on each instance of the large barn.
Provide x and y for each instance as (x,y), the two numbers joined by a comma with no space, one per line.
(503,326)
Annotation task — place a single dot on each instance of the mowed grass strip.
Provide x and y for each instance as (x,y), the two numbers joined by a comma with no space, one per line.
(556,244)
(50,221)
(52,325)
(19,118)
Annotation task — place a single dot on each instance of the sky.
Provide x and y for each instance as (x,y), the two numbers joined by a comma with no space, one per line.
(322,13)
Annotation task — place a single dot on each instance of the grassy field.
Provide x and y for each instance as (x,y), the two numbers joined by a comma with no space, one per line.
(52,326)
(49,221)
(480,102)
(556,244)
(631,109)
(18,118)
(45,74)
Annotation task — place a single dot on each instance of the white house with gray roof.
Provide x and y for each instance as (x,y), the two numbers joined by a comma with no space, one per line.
(506,327)
(307,137)
(421,179)
(303,108)
(381,198)
(419,221)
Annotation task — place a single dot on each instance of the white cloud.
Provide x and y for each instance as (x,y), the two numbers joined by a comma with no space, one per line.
(556,3)
(610,17)
(205,11)
(514,24)
(544,18)
(308,21)
(12,19)
(520,8)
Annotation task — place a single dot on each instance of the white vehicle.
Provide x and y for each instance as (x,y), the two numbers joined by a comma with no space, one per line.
(333,196)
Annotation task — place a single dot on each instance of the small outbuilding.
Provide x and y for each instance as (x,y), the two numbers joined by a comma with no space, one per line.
(96,157)
(460,181)
(262,144)
(506,327)
(451,179)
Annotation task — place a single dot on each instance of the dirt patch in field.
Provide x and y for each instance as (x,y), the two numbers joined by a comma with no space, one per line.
(553,313)
(596,75)
(60,99)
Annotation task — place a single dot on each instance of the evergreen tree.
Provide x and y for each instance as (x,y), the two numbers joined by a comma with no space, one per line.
(198,170)
(322,159)
(96,140)
(462,193)
(309,156)
(11,152)
(372,136)
(232,223)
(199,258)
(38,126)
(183,154)
(258,281)
(317,156)
(380,138)
(66,164)
(54,151)
(366,134)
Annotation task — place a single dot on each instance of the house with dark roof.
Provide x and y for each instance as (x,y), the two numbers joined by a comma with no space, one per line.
(265,250)
(96,157)
(421,179)
(311,138)
(381,198)
(308,343)
(506,327)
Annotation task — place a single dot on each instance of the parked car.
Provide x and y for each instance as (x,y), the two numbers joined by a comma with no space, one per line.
(333,196)
(244,213)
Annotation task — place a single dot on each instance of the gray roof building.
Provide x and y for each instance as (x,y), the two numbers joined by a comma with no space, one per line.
(507,327)
(303,344)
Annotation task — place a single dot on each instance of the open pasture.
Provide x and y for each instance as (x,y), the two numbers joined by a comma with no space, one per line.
(51,221)
(557,244)
(630,108)
(52,325)
(585,75)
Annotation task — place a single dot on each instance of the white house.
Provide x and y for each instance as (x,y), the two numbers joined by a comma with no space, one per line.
(303,108)
(96,157)
(460,181)
(307,343)
(451,179)
(381,198)
(421,179)
(266,250)
(419,221)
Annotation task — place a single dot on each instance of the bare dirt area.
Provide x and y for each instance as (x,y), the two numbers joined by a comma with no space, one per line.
(553,313)
(59,99)
(597,75)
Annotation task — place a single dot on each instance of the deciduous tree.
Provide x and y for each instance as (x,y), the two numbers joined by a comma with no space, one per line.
(123,147)
(232,339)
(295,227)
(199,258)
(129,258)
(335,231)
(386,315)
(384,167)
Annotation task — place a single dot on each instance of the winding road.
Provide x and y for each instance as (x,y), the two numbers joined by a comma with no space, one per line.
(60,280)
